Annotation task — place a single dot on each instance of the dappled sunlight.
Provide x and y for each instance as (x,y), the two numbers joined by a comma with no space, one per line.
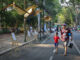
(46,45)
(34,45)
(10,43)
(15,43)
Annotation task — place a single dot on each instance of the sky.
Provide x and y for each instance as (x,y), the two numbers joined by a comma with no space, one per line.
(67,0)
(64,4)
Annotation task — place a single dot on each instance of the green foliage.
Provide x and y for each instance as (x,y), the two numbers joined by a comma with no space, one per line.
(76,15)
(65,16)
(53,6)
(12,18)
(32,20)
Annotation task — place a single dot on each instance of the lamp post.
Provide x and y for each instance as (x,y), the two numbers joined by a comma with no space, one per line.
(26,13)
(25,18)
(48,19)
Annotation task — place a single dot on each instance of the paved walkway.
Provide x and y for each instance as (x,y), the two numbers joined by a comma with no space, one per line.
(41,51)
(6,42)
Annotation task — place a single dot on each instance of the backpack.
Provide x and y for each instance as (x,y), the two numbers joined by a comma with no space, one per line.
(69,34)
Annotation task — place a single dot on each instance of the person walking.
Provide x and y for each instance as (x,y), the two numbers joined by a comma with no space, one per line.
(65,37)
(13,38)
(56,38)
(65,32)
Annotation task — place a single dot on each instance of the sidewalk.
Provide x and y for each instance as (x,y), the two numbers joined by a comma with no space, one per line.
(6,42)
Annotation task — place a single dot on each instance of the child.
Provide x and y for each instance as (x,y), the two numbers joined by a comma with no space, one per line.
(56,38)
(13,37)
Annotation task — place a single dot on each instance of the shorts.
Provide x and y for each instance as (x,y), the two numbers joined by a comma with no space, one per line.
(66,43)
(56,44)
(69,37)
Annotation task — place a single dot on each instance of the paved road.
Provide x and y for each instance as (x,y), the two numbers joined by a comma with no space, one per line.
(76,38)
(42,51)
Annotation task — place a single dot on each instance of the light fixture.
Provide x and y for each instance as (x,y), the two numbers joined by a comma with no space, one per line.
(47,18)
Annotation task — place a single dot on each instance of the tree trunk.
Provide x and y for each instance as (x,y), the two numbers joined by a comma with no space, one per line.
(24,4)
(25,33)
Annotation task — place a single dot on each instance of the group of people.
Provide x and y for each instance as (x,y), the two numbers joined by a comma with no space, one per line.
(32,32)
(66,35)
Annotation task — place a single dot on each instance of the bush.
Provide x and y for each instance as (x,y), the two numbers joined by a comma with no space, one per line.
(4,30)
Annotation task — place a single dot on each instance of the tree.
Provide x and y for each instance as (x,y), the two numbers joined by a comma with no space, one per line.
(12,19)
(65,16)
(76,4)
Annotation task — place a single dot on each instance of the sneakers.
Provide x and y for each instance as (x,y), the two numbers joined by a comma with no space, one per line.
(65,54)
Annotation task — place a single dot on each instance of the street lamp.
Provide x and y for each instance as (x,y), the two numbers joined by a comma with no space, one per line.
(29,11)
(25,16)
(21,11)
(48,19)
(26,13)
